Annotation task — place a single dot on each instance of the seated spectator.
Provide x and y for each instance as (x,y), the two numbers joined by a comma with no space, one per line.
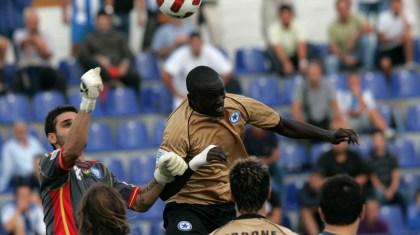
(22,217)
(341,160)
(371,223)
(413,221)
(349,41)
(170,36)
(3,50)
(385,175)
(310,221)
(109,49)
(314,100)
(395,39)
(17,158)
(287,47)
(35,52)
(194,54)
(103,211)
(358,106)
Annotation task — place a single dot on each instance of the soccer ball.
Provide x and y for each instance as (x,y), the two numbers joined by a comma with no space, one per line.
(179,8)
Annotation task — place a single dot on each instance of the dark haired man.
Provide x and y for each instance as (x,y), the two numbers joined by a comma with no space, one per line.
(341,206)
(250,187)
(66,175)
(212,116)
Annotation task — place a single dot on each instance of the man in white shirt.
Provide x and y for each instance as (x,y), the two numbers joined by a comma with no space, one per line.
(17,158)
(395,36)
(194,54)
(287,44)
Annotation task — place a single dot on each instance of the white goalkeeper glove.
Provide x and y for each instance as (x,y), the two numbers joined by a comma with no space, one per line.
(168,166)
(90,88)
(200,159)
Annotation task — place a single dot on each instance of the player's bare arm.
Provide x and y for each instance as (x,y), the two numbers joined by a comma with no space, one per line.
(148,195)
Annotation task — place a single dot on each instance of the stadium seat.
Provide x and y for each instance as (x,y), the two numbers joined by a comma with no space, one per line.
(44,102)
(413,219)
(265,90)
(74,98)
(320,50)
(409,183)
(339,81)
(154,213)
(132,135)
(157,229)
(141,170)
(317,150)
(156,100)
(147,66)
(393,217)
(292,156)
(117,168)
(100,138)
(121,101)
(292,195)
(376,83)
(405,152)
(286,94)
(158,132)
(14,107)
(405,84)
(71,71)
(386,113)
(413,118)
(249,61)
(9,74)
(417,50)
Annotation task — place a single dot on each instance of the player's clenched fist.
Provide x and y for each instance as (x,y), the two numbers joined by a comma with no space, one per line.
(90,88)
(347,135)
(211,153)
(168,166)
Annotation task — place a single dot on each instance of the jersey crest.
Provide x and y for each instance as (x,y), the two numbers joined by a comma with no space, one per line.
(235,117)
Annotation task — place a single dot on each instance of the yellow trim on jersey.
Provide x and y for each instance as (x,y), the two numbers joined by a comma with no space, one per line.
(63,213)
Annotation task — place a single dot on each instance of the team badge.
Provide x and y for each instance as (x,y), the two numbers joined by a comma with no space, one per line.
(184,226)
(235,117)
(96,173)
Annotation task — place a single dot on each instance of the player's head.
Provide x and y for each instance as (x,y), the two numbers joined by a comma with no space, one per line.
(103,21)
(102,211)
(342,201)
(206,91)
(343,8)
(57,124)
(196,43)
(285,13)
(250,185)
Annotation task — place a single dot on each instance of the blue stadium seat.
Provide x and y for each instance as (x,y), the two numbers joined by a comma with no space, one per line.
(413,118)
(156,229)
(292,195)
(141,170)
(121,101)
(405,84)
(14,107)
(393,217)
(364,147)
(156,100)
(317,150)
(292,156)
(339,81)
(154,213)
(288,90)
(117,168)
(376,83)
(158,132)
(43,102)
(100,138)
(147,66)
(250,61)
(320,50)
(386,113)
(413,219)
(417,50)
(74,98)
(409,183)
(405,152)
(266,90)
(9,74)
(71,71)
(132,135)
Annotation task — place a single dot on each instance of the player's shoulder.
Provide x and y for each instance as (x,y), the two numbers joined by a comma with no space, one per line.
(179,117)
(51,155)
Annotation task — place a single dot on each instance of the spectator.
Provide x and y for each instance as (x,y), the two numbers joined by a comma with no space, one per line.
(81,17)
(17,158)
(22,217)
(341,206)
(211,16)
(170,36)
(310,220)
(372,7)
(341,160)
(287,46)
(120,11)
(413,221)
(3,51)
(395,37)
(109,49)
(314,100)
(349,41)
(152,21)
(358,106)
(385,175)
(371,224)
(268,14)
(194,54)
(35,53)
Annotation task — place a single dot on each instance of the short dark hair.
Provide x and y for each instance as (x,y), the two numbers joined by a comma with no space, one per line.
(249,184)
(342,200)
(199,78)
(285,7)
(102,211)
(195,34)
(102,12)
(49,124)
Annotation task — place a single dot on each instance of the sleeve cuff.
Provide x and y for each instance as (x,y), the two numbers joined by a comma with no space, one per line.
(132,197)
(61,163)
